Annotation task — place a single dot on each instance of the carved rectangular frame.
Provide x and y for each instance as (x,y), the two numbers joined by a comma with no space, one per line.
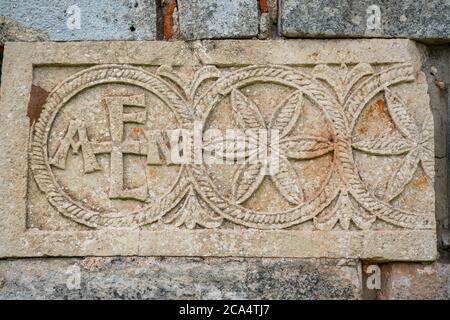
(16,240)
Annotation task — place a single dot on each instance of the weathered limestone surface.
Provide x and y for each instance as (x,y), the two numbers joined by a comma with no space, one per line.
(218,19)
(179,278)
(37,20)
(89,175)
(436,68)
(425,20)
(416,281)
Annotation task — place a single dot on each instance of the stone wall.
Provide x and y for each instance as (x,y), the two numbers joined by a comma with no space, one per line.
(191,278)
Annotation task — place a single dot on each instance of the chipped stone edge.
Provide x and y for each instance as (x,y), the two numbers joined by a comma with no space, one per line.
(18,241)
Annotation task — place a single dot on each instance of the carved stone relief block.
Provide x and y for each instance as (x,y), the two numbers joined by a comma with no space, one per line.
(316,148)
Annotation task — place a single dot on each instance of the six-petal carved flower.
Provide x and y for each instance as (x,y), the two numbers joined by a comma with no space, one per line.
(416,144)
(249,175)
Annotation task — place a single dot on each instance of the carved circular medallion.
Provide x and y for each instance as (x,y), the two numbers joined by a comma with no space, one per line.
(93,147)
(298,202)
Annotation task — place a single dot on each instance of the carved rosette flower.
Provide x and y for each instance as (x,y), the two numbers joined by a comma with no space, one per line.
(416,146)
(249,175)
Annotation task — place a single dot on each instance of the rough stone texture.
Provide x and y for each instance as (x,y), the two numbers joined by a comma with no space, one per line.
(425,20)
(212,19)
(265,26)
(37,20)
(101,202)
(445,243)
(446,237)
(1,61)
(179,278)
(415,281)
(272,6)
(436,68)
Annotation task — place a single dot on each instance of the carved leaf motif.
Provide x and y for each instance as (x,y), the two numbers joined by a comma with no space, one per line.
(384,144)
(326,221)
(359,71)
(402,119)
(341,212)
(168,72)
(402,175)
(245,111)
(286,116)
(286,181)
(344,211)
(428,130)
(190,88)
(246,180)
(427,161)
(307,147)
(342,81)
(205,73)
(363,219)
(427,147)
(192,213)
(327,74)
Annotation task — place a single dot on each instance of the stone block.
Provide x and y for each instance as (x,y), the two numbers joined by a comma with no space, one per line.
(303,148)
(37,20)
(215,19)
(422,20)
(415,281)
(178,278)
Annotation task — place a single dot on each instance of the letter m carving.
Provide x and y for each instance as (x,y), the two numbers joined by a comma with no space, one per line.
(76,127)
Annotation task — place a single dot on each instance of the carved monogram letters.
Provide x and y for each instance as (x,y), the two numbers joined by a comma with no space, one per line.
(117,147)
(320,123)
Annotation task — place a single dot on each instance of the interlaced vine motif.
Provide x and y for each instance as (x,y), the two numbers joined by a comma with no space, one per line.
(195,201)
